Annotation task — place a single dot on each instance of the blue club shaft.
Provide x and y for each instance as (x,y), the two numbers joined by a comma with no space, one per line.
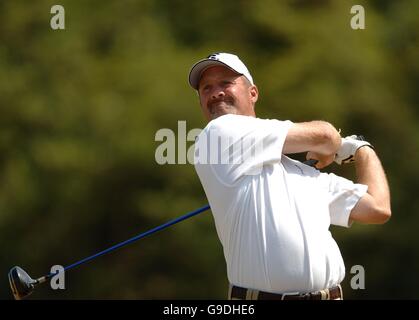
(137,237)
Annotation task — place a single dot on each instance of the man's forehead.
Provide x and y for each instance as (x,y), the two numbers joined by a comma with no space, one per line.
(218,72)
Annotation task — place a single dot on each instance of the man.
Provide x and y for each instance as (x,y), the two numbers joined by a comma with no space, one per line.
(272,213)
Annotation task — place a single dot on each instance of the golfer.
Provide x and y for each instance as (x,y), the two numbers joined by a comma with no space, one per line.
(272,213)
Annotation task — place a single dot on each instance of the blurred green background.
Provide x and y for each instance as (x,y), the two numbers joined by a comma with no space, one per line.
(79,109)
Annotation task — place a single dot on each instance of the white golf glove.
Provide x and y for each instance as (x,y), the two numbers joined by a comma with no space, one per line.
(348,148)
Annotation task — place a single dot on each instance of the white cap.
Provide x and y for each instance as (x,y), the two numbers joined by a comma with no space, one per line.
(217,59)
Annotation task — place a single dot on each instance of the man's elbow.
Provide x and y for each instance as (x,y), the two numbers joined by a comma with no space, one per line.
(381,215)
(386,215)
(368,211)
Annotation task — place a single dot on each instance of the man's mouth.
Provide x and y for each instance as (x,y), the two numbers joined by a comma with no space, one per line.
(213,105)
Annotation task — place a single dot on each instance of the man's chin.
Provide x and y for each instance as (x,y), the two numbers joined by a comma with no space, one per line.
(215,116)
(219,113)
(220,110)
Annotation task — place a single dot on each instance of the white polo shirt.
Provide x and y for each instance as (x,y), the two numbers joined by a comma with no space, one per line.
(272,213)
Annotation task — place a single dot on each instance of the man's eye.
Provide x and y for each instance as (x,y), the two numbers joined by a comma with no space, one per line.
(205,88)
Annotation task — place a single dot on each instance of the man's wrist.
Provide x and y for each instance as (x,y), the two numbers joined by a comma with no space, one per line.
(363,152)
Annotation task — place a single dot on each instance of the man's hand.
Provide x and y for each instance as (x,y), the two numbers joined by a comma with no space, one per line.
(323,160)
(348,148)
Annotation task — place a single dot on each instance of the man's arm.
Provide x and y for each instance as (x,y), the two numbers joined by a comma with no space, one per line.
(374,206)
(316,136)
(319,138)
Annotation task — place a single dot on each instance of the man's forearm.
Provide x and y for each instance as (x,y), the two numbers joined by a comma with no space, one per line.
(316,136)
(370,172)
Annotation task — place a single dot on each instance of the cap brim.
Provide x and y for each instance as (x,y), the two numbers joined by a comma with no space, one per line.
(199,67)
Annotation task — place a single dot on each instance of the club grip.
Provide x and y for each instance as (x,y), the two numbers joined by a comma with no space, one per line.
(311,162)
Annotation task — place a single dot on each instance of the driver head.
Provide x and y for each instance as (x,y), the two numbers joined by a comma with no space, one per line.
(21,283)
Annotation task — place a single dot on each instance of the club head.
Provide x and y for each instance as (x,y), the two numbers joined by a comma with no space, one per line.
(21,283)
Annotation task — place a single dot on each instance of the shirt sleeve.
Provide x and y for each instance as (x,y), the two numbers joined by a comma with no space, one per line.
(243,145)
(344,195)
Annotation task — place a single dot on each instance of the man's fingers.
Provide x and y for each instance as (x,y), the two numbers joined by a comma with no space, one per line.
(319,161)
(311,162)
(311,156)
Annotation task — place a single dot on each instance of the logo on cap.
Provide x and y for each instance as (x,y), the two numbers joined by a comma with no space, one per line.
(214,56)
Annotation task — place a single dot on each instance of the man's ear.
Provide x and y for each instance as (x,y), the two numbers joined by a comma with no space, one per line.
(254,94)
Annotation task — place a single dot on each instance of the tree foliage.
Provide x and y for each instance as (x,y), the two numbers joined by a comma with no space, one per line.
(79,109)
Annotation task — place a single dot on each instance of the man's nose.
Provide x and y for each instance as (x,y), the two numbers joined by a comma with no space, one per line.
(218,93)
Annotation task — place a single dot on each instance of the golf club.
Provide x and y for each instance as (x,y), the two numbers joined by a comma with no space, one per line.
(22,285)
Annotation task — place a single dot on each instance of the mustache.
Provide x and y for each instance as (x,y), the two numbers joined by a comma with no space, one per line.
(227,100)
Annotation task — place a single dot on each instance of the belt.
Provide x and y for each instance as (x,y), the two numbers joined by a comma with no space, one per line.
(251,294)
